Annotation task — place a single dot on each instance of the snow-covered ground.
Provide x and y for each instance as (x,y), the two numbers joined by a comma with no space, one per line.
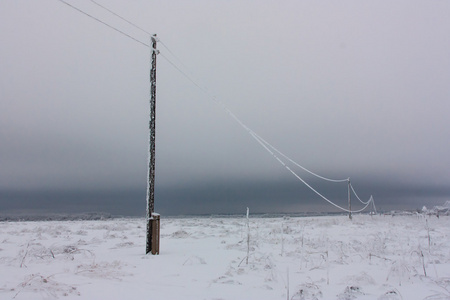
(370,257)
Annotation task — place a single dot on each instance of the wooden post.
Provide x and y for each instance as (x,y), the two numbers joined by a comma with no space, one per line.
(155,224)
(152,218)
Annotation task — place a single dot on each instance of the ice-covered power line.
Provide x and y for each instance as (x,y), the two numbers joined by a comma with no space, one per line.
(357,197)
(184,74)
(135,26)
(177,58)
(120,17)
(104,23)
(300,166)
(266,145)
(141,29)
(305,183)
(136,40)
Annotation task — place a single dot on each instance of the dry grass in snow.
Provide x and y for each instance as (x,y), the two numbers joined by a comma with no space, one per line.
(370,257)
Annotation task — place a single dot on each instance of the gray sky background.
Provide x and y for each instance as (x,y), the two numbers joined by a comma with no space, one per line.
(354,89)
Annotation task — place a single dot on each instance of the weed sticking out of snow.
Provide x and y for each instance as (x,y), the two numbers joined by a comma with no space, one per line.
(44,287)
(308,291)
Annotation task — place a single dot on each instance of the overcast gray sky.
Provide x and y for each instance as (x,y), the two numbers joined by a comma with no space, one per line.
(354,89)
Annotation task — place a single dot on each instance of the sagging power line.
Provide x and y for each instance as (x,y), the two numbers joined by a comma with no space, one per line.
(266,145)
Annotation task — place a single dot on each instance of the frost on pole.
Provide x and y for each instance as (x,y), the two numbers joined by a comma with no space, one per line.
(153,227)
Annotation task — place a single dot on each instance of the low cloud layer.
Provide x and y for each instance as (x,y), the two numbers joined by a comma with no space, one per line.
(351,89)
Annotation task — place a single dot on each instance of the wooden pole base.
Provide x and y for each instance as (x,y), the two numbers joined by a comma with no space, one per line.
(153,233)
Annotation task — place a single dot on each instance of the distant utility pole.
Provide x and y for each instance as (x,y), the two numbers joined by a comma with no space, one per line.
(153,219)
(349,201)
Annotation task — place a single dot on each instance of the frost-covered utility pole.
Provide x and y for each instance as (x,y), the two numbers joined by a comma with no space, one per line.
(152,217)
(349,200)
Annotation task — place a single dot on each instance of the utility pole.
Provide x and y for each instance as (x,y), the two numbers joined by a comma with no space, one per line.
(153,219)
(349,200)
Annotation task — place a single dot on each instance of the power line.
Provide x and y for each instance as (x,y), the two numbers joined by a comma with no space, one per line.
(245,126)
(129,22)
(185,75)
(176,57)
(145,31)
(303,181)
(357,197)
(298,165)
(258,138)
(266,146)
(104,23)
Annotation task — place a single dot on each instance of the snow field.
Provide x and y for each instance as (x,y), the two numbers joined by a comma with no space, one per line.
(370,257)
